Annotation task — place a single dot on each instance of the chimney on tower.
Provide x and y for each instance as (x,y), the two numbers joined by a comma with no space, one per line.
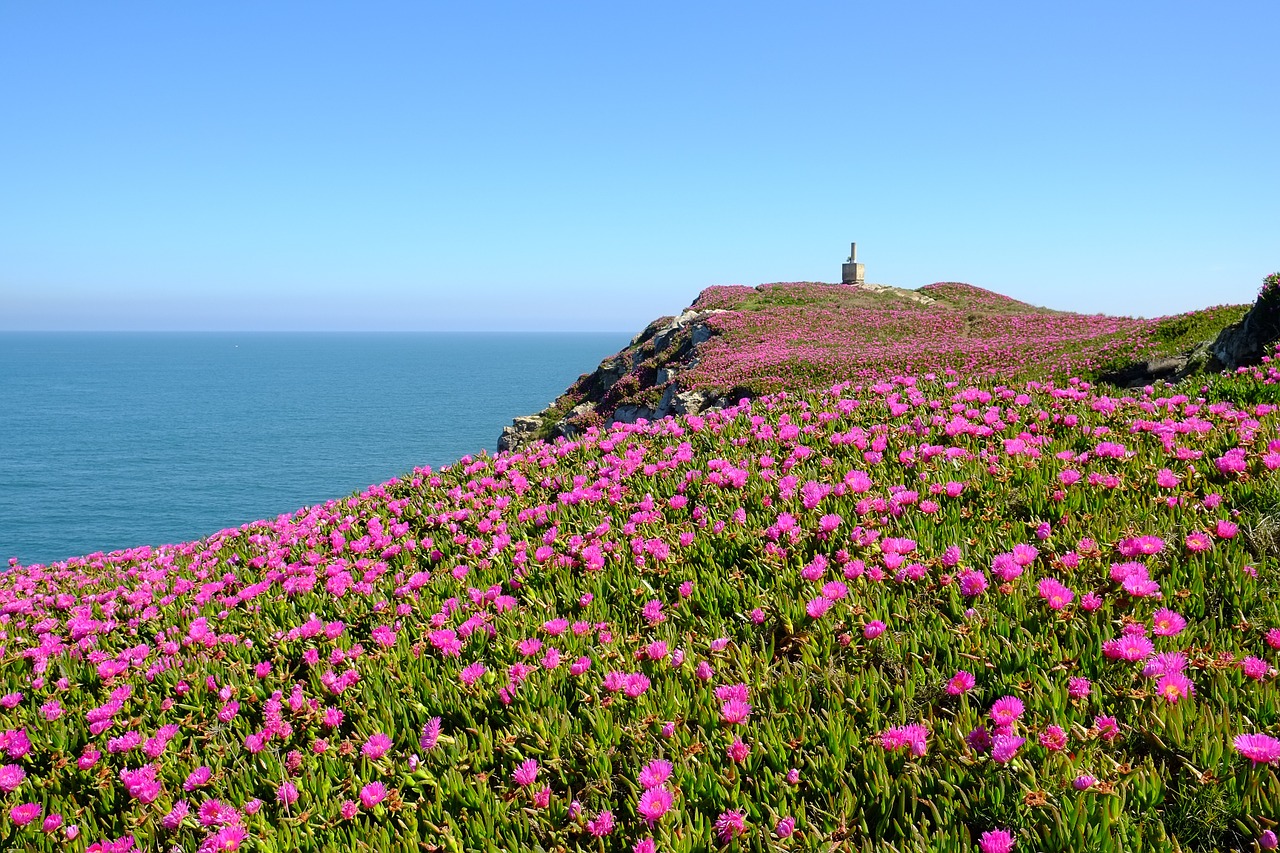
(852,272)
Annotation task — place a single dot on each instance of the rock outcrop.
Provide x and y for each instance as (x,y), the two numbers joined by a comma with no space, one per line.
(1241,344)
(641,381)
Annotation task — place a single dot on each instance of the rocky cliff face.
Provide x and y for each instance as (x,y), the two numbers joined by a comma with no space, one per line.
(641,381)
(1241,344)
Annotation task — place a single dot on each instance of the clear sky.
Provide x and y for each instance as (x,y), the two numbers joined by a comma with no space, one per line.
(589,166)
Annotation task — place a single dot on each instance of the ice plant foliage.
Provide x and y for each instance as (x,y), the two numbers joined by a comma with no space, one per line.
(876,613)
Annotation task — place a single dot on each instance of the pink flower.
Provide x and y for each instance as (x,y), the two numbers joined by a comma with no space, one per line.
(645,845)
(962,682)
(654,773)
(430,734)
(735,711)
(818,607)
(601,825)
(914,736)
(785,827)
(1129,647)
(1108,728)
(1198,541)
(372,794)
(527,773)
(287,794)
(198,777)
(471,674)
(997,841)
(654,803)
(1255,668)
(1167,623)
(729,825)
(25,813)
(738,750)
(1258,748)
(11,776)
(1078,687)
(1084,782)
(1005,747)
(349,809)
(1055,593)
(1174,686)
(376,746)
(1053,738)
(873,629)
(1006,710)
(972,583)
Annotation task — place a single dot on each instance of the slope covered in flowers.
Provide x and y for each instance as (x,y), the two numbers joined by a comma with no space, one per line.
(775,335)
(908,613)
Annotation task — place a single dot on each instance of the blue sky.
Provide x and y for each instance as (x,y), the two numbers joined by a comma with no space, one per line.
(589,166)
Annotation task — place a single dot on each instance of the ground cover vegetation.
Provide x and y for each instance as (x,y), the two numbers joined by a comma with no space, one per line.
(925,610)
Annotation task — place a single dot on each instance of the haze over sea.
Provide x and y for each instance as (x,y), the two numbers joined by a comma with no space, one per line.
(114,440)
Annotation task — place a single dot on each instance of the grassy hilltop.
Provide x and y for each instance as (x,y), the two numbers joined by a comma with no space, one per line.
(935,589)
(800,335)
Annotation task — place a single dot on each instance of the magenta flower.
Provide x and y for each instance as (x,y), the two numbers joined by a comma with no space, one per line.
(785,827)
(1079,687)
(198,777)
(1084,782)
(1129,647)
(1005,747)
(287,794)
(1055,593)
(472,673)
(1255,668)
(601,825)
(997,841)
(1053,738)
(655,773)
(913,735)
(972,583)
(1006,710)
(1108,728)
(818,607)
(1173,686)
(1198,541)
(11,776)
(25,813)
(430,734)
(729,825)
(1258,748)
(376,746)
(738,750)
(527,773)
(654,803)
(372,794)
(873,629)
(1167,623)
(962,682)
(735,711)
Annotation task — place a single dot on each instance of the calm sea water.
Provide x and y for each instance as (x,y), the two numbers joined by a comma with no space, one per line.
(113,440)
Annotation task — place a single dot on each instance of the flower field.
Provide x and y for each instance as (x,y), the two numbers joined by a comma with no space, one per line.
(773,335)
(926,611)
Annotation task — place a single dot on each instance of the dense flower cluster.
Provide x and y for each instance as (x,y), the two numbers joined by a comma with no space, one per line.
(903,609)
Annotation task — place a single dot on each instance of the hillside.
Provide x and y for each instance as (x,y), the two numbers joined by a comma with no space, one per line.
(950,609)
(738,341)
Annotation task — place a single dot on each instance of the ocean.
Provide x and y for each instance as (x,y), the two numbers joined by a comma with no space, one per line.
(114,440)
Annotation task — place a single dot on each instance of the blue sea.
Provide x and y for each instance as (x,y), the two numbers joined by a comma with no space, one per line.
(112,440)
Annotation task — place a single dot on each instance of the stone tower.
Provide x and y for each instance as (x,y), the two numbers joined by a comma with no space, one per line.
(852,272)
